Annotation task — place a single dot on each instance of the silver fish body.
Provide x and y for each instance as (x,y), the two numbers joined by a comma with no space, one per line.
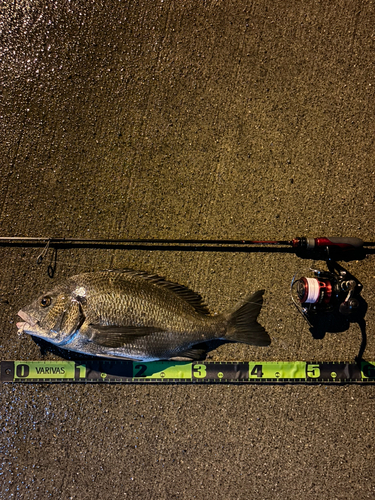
(134,315)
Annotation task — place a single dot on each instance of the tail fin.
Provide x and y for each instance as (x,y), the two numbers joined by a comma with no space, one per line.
(243,325)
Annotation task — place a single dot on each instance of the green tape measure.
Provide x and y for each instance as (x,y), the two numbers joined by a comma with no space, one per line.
(254,372)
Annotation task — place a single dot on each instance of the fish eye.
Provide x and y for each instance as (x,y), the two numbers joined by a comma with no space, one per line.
(45,301)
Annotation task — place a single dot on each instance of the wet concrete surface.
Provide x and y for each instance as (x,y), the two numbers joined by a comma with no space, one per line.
(188,120)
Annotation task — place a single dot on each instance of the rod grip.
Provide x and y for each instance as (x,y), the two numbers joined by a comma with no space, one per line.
(334,248)
(342,243)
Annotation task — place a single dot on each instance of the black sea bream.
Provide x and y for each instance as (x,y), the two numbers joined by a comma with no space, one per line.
(133,315)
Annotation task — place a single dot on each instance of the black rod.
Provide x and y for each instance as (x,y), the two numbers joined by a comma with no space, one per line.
(43,241)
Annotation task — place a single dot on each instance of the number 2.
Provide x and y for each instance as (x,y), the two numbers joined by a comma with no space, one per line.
(141,368)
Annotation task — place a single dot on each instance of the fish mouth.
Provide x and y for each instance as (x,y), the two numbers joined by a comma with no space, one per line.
(26,318)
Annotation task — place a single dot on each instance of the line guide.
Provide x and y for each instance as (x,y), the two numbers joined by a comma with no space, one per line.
(253,372)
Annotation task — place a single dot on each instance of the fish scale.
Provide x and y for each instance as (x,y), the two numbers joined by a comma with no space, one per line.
(152,306)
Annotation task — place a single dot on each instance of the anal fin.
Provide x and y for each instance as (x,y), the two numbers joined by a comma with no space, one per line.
(195,354)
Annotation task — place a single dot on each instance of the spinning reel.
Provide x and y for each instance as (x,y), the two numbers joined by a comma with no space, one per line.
(327,291)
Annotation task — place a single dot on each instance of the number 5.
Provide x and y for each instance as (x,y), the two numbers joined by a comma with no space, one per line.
(313,371)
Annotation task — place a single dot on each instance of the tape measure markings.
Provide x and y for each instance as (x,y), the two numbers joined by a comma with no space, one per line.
(113,371)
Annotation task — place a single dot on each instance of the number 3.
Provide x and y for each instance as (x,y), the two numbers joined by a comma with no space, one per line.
(201,371)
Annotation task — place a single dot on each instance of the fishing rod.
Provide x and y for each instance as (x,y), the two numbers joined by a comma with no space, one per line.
(323,248)
(334,292)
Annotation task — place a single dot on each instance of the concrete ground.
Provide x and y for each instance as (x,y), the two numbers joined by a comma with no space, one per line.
(166,119)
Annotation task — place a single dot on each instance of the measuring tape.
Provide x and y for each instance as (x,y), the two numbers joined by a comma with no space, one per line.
(123,372)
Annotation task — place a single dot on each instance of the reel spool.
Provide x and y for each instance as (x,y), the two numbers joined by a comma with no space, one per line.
(314,291)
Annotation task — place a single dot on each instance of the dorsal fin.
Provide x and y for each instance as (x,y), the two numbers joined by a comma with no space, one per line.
(193,298)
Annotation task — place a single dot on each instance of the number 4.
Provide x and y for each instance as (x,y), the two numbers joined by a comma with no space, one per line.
(257,371)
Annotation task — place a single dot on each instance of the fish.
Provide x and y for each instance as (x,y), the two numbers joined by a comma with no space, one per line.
(137,316)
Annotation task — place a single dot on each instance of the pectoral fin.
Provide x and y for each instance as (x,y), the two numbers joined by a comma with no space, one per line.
(118,336)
